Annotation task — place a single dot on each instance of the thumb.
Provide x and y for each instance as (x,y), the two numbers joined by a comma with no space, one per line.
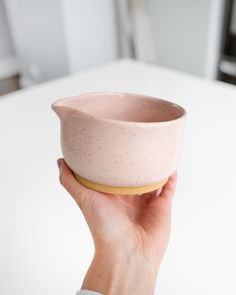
(79,192)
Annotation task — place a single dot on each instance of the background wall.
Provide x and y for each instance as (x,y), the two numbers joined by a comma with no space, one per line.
(181,33)
(53,38)
(6,47)
(38,35)
(8,61)
(91,33)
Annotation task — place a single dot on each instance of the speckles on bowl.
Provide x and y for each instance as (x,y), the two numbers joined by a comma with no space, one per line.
(120,154)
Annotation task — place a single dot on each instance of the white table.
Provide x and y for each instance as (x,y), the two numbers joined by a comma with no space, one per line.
(45,245)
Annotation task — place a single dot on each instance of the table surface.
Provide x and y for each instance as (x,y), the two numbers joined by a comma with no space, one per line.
(45,243)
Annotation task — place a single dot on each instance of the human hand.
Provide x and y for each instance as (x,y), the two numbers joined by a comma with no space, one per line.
(130,234)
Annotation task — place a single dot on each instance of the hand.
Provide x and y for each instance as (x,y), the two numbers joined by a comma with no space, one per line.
(130,234)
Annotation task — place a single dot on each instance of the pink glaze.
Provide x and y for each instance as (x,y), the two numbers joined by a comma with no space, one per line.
(121,139)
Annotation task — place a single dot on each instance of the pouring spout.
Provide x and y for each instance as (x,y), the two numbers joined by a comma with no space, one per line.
(60,109)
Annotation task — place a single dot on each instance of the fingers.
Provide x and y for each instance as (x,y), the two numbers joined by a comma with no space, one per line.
(67,179)
(169,188)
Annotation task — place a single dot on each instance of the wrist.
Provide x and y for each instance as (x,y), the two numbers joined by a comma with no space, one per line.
(118,271)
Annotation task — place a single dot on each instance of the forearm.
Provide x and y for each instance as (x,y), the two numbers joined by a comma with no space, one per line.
(117,272)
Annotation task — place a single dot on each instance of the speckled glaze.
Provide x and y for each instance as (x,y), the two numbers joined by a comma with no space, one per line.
(121,139)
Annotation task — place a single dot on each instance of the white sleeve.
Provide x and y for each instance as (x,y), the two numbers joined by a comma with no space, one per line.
(87,292)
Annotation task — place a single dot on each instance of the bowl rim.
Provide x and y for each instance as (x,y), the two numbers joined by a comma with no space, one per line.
(115,121)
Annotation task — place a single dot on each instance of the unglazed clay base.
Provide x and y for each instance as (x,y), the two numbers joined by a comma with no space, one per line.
(120,190)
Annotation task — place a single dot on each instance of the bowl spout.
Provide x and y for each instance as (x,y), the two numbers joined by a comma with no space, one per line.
(62,111)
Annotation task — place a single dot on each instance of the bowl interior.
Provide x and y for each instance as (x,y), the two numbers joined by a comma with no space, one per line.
(126,107)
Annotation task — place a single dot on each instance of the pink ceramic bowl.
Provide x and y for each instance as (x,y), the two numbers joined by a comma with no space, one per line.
(121,143)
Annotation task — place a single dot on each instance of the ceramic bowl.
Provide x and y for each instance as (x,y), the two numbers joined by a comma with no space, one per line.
(121,143)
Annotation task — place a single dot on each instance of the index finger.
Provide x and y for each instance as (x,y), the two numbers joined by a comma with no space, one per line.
(169,188)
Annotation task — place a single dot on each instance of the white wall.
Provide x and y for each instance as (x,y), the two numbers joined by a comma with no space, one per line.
(90,30)
(6,47)
(55,37)
(215,34)
(38,35)
(180,30)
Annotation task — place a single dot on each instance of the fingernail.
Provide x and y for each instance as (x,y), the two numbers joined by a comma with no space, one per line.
(59,163)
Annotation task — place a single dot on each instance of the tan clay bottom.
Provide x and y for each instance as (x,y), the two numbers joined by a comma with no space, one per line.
(120,190)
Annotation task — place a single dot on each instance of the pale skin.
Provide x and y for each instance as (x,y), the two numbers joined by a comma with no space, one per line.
(130,234)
